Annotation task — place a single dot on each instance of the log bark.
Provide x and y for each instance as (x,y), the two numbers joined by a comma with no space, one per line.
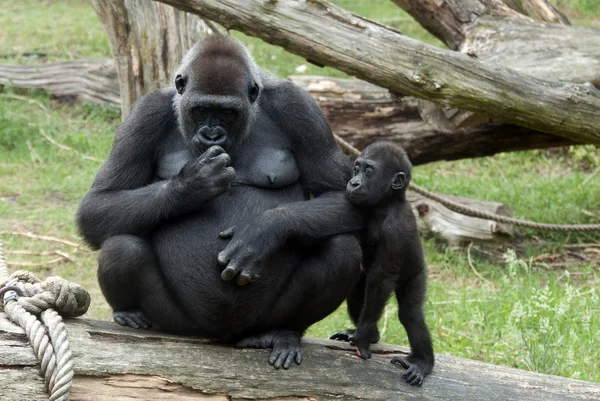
(497,34)
(329,35)
(94,80)
(362,113)
(454,228)
(112,363)
(148,41)
(359,112)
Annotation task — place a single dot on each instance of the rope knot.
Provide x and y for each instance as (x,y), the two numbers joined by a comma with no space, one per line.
(69,299)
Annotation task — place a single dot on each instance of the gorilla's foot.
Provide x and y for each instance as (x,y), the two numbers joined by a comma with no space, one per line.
(343,335)
(285,344)
(132,318)
(416,370)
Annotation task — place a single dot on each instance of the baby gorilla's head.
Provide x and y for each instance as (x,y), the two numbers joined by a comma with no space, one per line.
(381,174)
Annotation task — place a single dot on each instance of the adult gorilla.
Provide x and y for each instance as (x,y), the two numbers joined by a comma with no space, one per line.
(232,176)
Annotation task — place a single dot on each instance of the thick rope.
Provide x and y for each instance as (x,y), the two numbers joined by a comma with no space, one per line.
(26,297)
(469,211)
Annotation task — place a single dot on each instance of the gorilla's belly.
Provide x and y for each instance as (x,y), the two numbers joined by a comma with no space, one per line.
(187,250)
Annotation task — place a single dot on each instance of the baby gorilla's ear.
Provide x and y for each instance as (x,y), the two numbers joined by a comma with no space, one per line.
(399,181)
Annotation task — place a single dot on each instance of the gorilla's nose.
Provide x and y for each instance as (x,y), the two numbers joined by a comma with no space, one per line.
(212,135)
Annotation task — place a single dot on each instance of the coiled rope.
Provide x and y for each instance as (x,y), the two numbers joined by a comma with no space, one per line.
(37,306)
(469,211)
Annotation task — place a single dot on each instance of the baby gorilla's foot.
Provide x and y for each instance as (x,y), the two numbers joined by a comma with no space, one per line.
(132,318)
(285,344)
(343,335)
(416,370)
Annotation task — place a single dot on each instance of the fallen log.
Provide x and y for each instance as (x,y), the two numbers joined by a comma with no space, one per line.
(503,33)
(113,363)
(493,31)
(359,112)
(329,35)
(94,80)
(362,113)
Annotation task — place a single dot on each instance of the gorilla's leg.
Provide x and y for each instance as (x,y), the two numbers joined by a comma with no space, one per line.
(314,290)
(132,284)
(322,282)
(419,363)
(355,303)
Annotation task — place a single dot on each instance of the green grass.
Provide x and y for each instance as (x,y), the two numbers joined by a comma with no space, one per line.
(525,314)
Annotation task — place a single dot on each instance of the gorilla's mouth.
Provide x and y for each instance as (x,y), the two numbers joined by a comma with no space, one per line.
(355,197)
(202,142)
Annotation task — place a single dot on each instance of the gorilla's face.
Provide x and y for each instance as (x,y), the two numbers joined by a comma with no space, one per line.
(381,173)
(216,97)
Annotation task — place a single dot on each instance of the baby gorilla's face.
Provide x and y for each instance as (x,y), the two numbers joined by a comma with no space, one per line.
(368,184)
(379,175)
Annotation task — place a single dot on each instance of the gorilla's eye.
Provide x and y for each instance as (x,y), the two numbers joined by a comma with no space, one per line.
(355,170)
(253,94)
(227,112)
(180,84)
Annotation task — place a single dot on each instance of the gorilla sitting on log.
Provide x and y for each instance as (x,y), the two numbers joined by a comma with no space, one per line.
(220,210)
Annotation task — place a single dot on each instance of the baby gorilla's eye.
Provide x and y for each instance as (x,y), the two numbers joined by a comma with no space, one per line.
(227,112)
(355,170)
(368,172)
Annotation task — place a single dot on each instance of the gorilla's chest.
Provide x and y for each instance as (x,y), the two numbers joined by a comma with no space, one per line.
(261,167)
(267,168)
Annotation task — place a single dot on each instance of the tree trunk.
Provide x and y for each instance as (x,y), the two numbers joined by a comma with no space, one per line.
(147,40)
(112,363)
(329,35)
(495,33)
(362,113)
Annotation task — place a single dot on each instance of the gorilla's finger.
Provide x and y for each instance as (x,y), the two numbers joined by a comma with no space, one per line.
(224,257)
(298,358)
(400,361)
(364,352)
(274,357)
(223,159)
(213,151)
(244,278)
(229,273)
(230,173)
(288,360)
(226,234)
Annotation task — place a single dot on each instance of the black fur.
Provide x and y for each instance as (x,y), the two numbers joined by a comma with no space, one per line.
(227,150)
(392,258)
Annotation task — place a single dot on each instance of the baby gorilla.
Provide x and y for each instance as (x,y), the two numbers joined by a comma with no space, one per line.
(392,258)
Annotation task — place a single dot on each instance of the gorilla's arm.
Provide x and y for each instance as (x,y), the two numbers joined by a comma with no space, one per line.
(324,173)
(123,199)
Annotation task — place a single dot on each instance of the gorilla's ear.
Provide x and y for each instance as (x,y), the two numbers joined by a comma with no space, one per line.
(399,181)
(180,84)
(253,93)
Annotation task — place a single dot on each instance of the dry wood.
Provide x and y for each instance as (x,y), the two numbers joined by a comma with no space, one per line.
(456,228)
(362,113)
(359,112)
(117,364)
(332,36)
(494,32)
(147,40)
(94,80)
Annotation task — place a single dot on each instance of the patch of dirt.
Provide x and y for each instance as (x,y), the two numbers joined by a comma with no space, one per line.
(56,198)
(12,198)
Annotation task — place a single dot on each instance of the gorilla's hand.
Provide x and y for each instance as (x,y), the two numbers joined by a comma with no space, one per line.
(206,177)
(252,240)
(362,337)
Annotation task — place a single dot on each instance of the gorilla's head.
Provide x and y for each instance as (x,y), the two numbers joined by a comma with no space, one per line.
(218,86)
(381,174)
